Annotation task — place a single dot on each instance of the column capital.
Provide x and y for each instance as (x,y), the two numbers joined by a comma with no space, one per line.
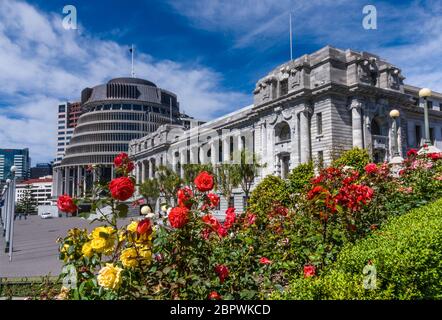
(356,103)
(306,109)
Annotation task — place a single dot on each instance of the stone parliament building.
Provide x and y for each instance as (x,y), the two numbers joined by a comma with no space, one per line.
(308,109)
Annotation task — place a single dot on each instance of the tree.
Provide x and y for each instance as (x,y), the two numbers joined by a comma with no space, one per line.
(228,178)
(169,182)
(150,190)
(247,171)
(27,203)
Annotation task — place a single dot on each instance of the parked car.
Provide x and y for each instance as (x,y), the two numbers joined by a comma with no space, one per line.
(46,215)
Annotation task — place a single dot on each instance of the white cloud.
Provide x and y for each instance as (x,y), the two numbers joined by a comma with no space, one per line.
(42,64)
(409,33)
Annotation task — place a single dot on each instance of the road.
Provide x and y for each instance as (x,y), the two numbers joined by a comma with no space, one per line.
(35,248)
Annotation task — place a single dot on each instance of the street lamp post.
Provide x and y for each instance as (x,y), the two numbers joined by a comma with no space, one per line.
(12,213)
(7,209)
(394,114)
(425,93)
(396,160)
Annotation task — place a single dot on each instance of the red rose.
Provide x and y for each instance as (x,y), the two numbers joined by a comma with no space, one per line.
(371,168)
(222,271)
(214,199)
(66,204)
(214,296)
(144,227)
(122,161)
(230,218)
(250,218)
(309,271)
(264,260)
(122,188)
(178,217)
(222,232)
(411,152)
(204,181)
(184,196)
(435,156)
(211,221)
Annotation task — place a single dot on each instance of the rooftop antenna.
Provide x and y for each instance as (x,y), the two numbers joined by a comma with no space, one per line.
(132,54)
(291,38)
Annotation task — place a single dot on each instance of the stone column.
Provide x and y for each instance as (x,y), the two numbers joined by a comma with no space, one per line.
(84,181)
(304,124)
(183,161)
(356,109)
(78,181)
(151,169)
(214,150)
(143,171)
(226,149)
(66,181)
(74,191)
(193,155)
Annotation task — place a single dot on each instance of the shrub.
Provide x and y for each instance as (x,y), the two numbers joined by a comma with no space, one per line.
(407,255)
(270,191)
(356,158)
(300,177)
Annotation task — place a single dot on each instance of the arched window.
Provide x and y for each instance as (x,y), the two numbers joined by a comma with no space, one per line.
(282,132)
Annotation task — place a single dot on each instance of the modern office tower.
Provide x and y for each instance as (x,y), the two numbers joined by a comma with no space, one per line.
(112,114)
(14,157)
(41,170)
(68,114)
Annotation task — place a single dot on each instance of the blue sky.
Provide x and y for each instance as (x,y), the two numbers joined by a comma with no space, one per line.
(210,53)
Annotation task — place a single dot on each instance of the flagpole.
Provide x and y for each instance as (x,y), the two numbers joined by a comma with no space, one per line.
(132,52)
(291,37)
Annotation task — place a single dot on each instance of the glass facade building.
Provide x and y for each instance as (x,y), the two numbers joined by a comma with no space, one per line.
(14,157)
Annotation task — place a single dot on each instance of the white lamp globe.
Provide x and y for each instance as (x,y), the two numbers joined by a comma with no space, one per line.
(146,210)
(425,93)
(8,181)
(13,169)
(394,113)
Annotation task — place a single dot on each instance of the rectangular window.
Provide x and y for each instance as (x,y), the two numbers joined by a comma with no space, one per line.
(60,138)
(319,123)
(321,159)
(61,108)
(418,134)
(430,105)
(432,135)
(231,202)
(283,87)
(61,116)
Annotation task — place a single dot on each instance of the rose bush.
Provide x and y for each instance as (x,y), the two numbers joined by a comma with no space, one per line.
(190,254)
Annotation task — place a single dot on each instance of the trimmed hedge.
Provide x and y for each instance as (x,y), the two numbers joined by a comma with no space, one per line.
(407,254)
(271,190)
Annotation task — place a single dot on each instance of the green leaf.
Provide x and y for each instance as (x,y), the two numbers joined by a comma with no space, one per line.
(122,210)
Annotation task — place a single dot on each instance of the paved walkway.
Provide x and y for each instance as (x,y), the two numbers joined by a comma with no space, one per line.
(35,248)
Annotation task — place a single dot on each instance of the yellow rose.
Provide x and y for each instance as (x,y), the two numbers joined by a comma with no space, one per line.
(109,277)
(129,257)
(146,254)
(132,227)
(99,244)
(87,250)
(109,231)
